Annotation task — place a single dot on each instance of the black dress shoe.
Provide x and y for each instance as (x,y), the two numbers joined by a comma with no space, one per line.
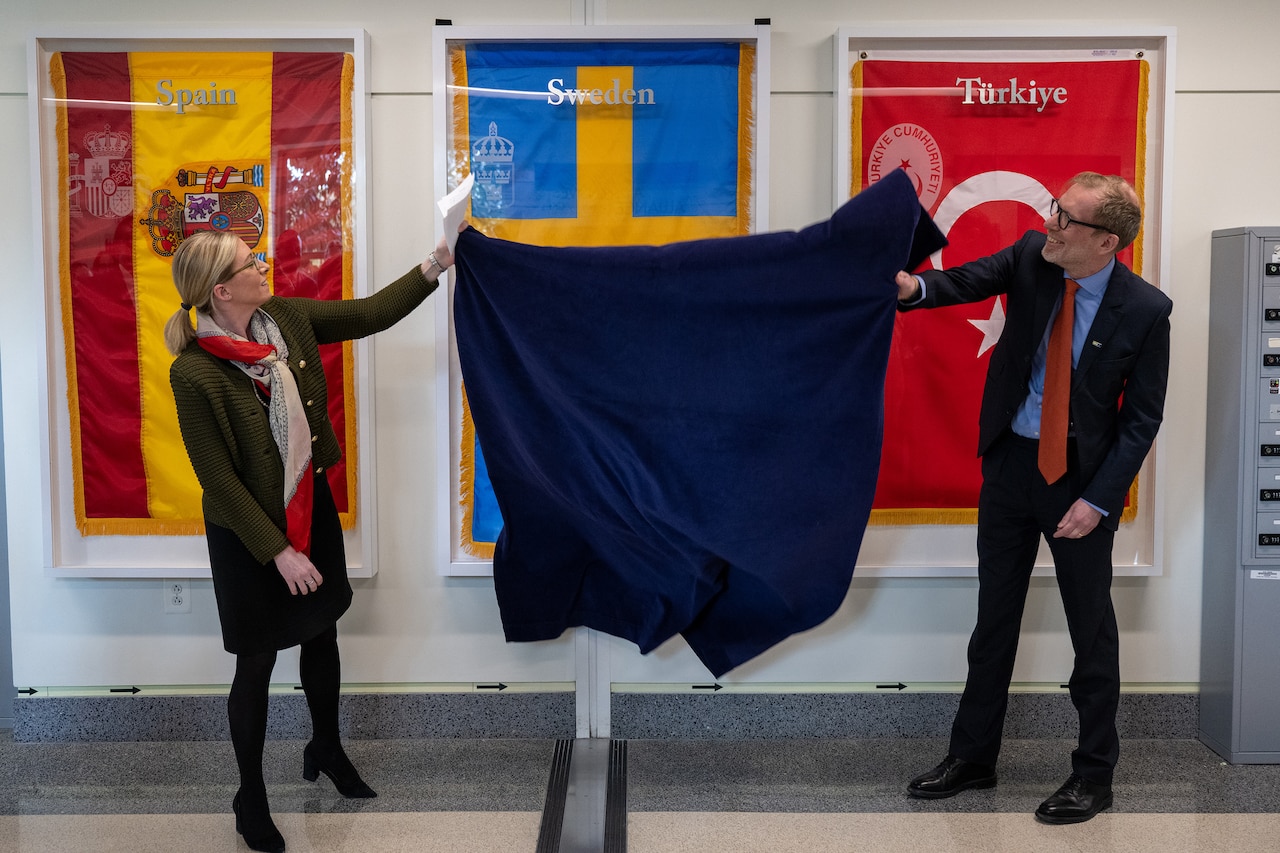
(1075,802)
(334,764)
(951,777)
(254,823)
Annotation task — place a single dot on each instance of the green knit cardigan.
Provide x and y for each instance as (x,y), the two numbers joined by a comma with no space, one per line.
(225,427)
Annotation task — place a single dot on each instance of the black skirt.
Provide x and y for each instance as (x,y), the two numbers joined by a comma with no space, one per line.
(257,611)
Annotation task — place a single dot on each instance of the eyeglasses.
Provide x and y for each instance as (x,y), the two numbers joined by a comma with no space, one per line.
(1065,219)
(252,262)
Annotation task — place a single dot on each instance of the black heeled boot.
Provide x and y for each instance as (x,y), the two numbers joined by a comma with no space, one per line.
(338,768)
(254,823)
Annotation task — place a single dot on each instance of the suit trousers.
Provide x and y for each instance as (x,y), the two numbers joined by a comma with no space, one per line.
(1015,508)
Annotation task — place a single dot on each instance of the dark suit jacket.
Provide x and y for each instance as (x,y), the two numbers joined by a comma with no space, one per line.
(1118,387)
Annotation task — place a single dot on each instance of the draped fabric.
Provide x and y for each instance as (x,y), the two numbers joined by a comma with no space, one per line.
(152,147)
(597,143)
(988,145)
(685,438)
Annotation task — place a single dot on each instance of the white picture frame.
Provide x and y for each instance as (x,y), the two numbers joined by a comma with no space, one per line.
(451,558)
(941,550)
(68,553)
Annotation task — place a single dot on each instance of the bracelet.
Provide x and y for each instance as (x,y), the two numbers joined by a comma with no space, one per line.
(431,257)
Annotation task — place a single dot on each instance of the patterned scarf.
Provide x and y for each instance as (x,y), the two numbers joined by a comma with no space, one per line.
(265,359)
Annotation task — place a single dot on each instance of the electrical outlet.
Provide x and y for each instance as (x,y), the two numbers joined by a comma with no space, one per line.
(177,597)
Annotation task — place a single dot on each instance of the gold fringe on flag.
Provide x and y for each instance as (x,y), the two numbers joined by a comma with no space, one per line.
(1140,160)
(1140,185)
(1131,506)
(922,516)
(746,135)
(945,515)
(58,80)
(467,472)
(855,130)
(460,159)
(346,212)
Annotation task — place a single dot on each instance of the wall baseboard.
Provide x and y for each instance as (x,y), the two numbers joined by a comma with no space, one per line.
(642,716)
(378,716)
(633,716)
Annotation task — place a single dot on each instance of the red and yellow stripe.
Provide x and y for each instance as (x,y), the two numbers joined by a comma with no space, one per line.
(271,111)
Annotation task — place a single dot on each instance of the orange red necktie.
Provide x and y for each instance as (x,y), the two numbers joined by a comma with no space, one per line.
(1056,404)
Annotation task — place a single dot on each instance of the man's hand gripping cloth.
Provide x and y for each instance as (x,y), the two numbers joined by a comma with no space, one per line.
(685,438)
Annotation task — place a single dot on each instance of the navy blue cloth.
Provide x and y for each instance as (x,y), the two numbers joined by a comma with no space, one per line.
(685,438)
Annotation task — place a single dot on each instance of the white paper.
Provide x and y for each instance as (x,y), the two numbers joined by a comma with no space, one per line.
(454,209)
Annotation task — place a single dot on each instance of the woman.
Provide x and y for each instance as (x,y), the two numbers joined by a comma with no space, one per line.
(252,407)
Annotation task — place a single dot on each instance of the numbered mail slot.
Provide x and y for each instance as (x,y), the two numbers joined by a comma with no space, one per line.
(1268,533)
(1270,354)
(1269,442)
(1268,489)
(1270,307)
(1269,445)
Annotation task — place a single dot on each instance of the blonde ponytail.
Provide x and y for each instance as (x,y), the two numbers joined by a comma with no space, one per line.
(199,263)
(178,331)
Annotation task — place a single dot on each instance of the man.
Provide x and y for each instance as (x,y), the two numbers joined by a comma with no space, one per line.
(1119,364)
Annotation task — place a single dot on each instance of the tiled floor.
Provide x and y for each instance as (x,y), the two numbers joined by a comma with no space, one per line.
(708,796)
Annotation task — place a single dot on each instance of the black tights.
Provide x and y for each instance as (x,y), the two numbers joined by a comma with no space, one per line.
(321,674)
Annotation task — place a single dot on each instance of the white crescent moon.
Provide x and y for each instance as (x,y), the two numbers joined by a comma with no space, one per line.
(988,186)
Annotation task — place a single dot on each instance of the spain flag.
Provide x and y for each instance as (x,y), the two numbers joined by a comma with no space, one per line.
(597,144)
(154,146)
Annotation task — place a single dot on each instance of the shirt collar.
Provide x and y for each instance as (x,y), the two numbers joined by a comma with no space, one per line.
(1096,283)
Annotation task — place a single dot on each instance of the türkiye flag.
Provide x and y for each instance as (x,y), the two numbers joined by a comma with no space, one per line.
(989,144)
(155,146)
(597,144)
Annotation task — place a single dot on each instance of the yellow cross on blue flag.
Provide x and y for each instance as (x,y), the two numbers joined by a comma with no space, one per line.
(597,144)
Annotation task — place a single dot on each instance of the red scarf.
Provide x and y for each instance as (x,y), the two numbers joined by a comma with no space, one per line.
(265,359)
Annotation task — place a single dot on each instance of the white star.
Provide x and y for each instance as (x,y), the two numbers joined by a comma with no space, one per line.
(990,327)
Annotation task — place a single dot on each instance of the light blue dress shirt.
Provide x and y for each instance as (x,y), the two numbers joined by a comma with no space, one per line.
(1026,422)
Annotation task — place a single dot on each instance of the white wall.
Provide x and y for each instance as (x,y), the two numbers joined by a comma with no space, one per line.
(410,625)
